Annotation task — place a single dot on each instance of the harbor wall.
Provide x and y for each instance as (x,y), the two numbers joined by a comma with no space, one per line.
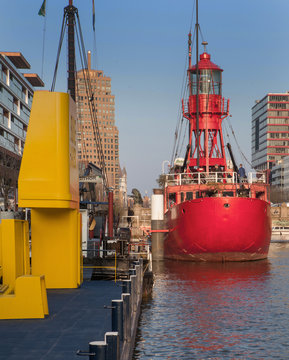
(118,344)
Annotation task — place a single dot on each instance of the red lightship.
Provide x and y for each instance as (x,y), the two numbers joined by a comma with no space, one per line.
(211,213)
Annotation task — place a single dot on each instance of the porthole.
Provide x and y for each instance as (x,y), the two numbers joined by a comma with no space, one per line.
(226,205)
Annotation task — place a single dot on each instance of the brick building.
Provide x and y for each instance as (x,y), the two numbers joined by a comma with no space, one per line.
(104,103)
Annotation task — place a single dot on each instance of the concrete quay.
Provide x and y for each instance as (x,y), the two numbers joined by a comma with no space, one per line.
(96,321)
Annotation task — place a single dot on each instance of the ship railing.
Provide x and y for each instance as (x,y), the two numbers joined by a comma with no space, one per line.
(256,177)
(100,251)
(199,178)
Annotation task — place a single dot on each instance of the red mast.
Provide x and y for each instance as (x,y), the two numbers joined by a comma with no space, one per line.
(211,108)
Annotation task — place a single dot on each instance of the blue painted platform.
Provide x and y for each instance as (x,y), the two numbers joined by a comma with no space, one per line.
(76,317)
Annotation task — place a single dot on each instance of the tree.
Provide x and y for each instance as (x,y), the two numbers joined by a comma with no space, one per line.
(9,171)
(137,197)
(161,180)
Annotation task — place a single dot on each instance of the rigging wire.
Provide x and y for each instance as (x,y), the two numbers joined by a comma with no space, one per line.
(90,96)
(95,57)
(182,145)
(81,124)
(184,90)
(43,45)
(201,32)
(192,18)
(239,148)
(180,118)
(62,33)
(224,126)
(178,131)
(91,101)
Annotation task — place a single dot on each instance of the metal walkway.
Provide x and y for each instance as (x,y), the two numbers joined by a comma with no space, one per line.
(76,317)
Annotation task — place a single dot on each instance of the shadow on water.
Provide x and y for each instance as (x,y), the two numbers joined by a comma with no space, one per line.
(216,311)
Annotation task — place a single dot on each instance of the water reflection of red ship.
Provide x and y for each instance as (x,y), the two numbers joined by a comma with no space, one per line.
(218,301)
(214,272)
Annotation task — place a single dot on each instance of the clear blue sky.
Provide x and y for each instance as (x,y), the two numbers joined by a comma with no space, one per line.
(142,45)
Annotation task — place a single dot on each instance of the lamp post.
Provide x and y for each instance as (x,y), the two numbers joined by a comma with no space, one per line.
(163,165)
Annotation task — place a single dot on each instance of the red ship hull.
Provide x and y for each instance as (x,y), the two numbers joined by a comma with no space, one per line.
(218,229)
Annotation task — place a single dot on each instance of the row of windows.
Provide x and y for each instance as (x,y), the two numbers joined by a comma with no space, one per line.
(278,150)
(278,113)
(99,82)
(278,135)
(10,142)
(278,143)
(278,98)
(278,106)
(278,121)
(278,128)
(16,87)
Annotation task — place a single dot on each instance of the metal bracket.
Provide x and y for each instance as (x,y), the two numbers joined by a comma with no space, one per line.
(84,353)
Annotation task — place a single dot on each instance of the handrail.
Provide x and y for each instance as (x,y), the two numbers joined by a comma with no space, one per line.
(213,177)
(102,267)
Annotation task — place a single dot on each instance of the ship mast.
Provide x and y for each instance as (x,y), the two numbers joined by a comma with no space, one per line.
(197,94)
(205,110)
(70,10)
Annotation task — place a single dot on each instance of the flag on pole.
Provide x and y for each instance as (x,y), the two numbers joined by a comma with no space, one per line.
(41,11)
(93,15)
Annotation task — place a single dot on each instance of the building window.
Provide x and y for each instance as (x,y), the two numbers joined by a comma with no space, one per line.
(257,135)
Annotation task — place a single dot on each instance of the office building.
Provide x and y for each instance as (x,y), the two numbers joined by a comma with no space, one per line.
(16,93)
(104,103)
(270,130)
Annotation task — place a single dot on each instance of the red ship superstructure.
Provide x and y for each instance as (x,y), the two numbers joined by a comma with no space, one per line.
(213,214)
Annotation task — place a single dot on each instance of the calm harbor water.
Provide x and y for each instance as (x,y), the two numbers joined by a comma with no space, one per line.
(218,311)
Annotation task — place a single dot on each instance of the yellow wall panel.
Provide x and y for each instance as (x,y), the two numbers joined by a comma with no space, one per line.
(49,169)
(56,246)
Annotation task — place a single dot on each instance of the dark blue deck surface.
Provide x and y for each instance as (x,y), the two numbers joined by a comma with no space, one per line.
(76,317)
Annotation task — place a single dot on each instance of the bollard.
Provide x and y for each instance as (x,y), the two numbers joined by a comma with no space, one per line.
(97,350)
(126,288)
(112,351)
(137,282)
(133,292)
(126,317)
(117,317)
(132,272)
(157,223)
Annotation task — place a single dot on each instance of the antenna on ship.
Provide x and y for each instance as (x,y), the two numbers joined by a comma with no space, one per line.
(197,74)
(204,43)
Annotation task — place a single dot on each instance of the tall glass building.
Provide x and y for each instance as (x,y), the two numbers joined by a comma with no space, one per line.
(270,130)
(16,93)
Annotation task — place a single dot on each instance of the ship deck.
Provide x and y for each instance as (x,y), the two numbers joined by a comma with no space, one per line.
(76,317)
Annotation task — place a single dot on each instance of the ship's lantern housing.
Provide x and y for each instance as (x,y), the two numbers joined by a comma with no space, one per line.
(210,77)
(205,110)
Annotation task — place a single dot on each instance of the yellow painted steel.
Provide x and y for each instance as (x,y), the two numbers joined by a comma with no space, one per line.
(15,250)
(56,247)
(1,266)
(49,170)
(22,296)
(80,257)
(29,300)
(48,184)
